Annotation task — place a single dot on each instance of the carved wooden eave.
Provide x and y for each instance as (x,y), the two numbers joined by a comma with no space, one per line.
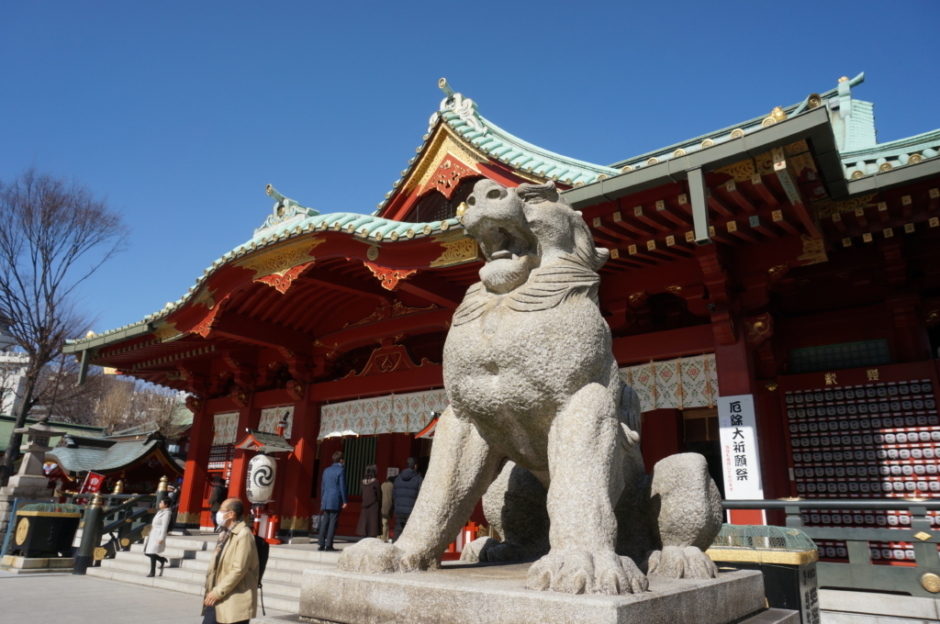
(444,160)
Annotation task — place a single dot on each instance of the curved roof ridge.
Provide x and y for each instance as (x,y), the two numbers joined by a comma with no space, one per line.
(541,150)
(364,228)
(912,141)
(723,134)
(462,116)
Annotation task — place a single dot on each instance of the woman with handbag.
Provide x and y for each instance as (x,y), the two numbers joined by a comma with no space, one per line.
(156,541)
(370,519)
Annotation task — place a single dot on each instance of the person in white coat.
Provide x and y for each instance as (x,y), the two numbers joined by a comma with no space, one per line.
(156,541)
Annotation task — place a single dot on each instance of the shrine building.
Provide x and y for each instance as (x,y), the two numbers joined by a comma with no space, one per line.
(773,293)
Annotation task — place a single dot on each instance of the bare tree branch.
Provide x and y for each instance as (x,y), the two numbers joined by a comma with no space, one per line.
(54,234)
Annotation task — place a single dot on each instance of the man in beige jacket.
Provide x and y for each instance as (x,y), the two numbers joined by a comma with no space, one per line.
(232,578)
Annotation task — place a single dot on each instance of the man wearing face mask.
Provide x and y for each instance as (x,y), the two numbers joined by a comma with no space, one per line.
(232,578)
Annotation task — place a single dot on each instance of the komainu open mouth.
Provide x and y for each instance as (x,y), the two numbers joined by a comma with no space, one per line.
(500,243)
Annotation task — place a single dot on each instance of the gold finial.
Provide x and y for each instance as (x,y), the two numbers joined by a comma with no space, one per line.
(461,209)
(96,501)
(118,487)
(162,485)
(443,86)
(844,79)
(90,334)
(778,114)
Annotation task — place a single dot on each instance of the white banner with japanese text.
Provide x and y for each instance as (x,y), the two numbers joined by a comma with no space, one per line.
(740,459)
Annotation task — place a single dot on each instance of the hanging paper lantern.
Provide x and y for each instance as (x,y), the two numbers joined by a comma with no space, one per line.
(261,473)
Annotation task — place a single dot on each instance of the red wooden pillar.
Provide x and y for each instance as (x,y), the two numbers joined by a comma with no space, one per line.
(662,435)
(249,417)
(197,461)
(294,502)
(735,366)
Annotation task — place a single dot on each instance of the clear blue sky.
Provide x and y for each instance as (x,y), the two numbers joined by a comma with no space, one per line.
(181,112)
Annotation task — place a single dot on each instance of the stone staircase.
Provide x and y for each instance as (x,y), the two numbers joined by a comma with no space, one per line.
(189,559)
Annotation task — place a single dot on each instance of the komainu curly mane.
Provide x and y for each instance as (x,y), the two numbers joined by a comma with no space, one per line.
(542,424)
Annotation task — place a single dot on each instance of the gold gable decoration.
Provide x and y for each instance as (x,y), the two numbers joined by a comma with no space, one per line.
(281,259)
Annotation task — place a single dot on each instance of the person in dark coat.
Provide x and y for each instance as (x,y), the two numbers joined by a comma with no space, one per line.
(216,497)
(407,486)
(370,517)
(333,500)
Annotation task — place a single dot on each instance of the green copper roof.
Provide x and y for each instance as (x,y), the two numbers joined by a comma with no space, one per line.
(731,133)
(887,156)
(519,154)
(461,115)
(7,425)
(362,227)
(116,457)
(852,122)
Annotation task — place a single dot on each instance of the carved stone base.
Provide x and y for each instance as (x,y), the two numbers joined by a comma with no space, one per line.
(29,492)
(496,594)
(36,565)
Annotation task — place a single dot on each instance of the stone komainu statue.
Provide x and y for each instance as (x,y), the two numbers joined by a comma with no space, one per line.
(541,422)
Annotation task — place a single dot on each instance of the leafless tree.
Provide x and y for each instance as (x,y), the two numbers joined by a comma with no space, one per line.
(115,409)
(161,406)
(58,394)
(54,234)
(126,404)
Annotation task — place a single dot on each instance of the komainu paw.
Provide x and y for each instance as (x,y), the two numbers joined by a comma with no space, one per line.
(584,572)
(373,556)
(678,562)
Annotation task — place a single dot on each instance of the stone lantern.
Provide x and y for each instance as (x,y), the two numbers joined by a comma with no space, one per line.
(31,474)
(30,482)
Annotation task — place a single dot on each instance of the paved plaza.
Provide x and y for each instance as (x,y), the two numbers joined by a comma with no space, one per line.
(68,599)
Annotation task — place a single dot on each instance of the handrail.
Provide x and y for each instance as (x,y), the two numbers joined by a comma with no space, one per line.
(122,527)
(920,577)
(872,504)
(123,520)
(129,504)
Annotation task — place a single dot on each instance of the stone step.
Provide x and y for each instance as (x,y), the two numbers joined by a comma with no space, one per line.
(277,603)
(196,565)
(178,553)
(288,565)
(190,557)
(281,570)
(136,563)
(190,582)
(303,554)
(283,576)
(187,543)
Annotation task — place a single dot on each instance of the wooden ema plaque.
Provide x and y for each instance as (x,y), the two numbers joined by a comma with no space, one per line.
(869,432)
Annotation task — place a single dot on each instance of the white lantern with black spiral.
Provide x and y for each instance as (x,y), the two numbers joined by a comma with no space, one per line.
(261,472)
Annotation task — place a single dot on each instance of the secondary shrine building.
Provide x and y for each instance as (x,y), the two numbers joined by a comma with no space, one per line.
(773,293)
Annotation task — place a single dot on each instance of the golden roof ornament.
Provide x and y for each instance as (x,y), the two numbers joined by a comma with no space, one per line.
(844,79)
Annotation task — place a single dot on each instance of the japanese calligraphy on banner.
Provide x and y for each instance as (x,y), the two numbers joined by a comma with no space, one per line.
(271,416)
(396,413)
(683,383)
(224,428)
(740,461)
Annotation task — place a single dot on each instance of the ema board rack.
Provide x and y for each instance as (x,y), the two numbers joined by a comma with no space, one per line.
(864,433)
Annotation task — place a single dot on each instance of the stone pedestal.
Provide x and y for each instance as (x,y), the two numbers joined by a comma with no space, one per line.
(36,565)
(496,594)
(30,491)
(30,482)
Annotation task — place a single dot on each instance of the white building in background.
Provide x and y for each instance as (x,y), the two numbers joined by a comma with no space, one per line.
(12,371)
